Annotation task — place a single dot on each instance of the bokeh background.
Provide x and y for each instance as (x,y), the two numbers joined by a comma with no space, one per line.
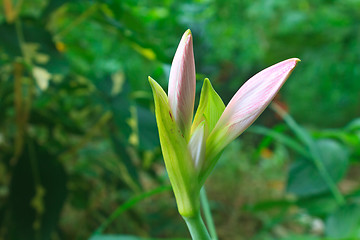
(79,149)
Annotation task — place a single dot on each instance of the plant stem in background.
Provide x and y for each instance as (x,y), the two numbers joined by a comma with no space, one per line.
(197,227)
(314,153)
(23,94)
(207,214)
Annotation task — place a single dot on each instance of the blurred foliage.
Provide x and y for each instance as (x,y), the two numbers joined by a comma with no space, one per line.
(78,137)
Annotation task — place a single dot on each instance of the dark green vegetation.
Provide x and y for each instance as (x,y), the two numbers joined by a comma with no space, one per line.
(79,149)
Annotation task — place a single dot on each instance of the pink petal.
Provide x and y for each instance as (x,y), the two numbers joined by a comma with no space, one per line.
(197,145)
(253,97)
(181,90)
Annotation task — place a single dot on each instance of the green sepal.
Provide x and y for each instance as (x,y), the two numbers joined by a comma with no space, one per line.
(210,107)
(177,157)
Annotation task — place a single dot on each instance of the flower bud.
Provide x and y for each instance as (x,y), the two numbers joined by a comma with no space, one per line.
(181,91)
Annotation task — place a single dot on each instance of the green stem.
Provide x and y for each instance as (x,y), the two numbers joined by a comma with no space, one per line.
(207,214)
(331,184)
(197,227)
(305,137)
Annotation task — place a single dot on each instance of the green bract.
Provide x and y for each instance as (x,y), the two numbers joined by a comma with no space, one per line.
(178,161)
(210,107)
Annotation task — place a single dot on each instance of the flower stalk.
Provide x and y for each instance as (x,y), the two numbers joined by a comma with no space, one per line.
(197,227)
(191,147)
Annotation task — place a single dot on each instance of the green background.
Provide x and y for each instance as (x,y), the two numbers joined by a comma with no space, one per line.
(78,137)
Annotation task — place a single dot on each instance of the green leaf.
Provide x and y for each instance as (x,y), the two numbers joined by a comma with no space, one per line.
(354,125)
(128,205)
(210,107)
(301,237)
(128,237)
(344,223)
(178,161)
(304,177)
(115,237)
(278,136)
(37,194)
(319,205)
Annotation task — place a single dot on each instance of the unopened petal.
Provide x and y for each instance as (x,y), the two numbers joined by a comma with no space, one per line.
(197,145)
(253,97)
(244,108)
(181,90)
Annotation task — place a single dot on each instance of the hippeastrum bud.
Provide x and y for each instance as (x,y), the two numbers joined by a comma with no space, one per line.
(191,150)
(244,108)
(181,89)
